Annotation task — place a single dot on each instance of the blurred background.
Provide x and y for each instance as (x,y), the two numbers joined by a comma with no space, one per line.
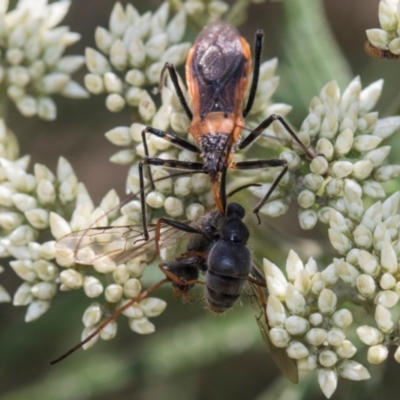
(194,354)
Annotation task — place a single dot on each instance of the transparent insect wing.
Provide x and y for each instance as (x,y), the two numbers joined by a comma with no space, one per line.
(286,364)
(113,245)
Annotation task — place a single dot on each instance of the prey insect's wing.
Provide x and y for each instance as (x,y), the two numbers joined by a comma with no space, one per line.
(286,364)
(114,245)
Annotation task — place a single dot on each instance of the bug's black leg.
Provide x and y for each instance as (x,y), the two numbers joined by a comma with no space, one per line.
(265,124)
(256,71)
(263,164)
(176,140)
(184,165)
(174,78)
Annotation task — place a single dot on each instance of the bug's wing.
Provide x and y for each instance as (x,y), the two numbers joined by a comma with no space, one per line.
(113,245)
(286,364)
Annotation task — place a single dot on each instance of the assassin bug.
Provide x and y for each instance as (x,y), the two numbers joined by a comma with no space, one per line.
(216,247)
(217,71)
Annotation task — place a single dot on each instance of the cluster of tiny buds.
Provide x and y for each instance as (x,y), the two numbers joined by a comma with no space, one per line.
(33,67)
(304,318)
(132,53)
(346,135)
(370,243)
(388,37)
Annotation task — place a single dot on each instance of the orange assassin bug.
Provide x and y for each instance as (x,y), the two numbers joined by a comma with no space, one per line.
(217,72)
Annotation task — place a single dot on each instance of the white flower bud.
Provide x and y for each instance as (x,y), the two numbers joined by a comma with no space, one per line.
(297,350)
(94,83)
(383,319)
(123,157)
(293,159)
(388,257)
(59,226)
(71,279)
(10,220)
(363,237)
(194,211)
(132,288)
(23,295)
(350,369)
(329,275)
(325,147)
(377,354)
(87,332)
(319,165)
(327,358)
(308,363)
(46,192)
(339,241)
(329,126)
(327,379)
(377,156)
(22,235)
(115,102)
(334,187)
(387,172)
(24,269)
(316,336)
(113,293)
(387,281)
(302,282)
(387,298)
(378,38)
(44,290)
(27,106)
(313,182)
(96,62)
(152,307)
(183,186)
(173,206)
(36,309)
(317,284)
(109,331)
(279,337)
(338,222)
(362,169)
(38,218)
(112,83)
(336,337)
(397,355)
(327,302)
(22,201)
(147,108)
(296,325)
(346,349)
(294,265)
(179,122)
(275,209)
(353,201)
(120,136)
(46,270)
(346,271)
(155,199)
(295,302)
(119,55)
(92,315)
(344,142)
(366,142)
(306,198)
(369,335)
(121,274)
(275,312)
(366,285)
(142,326)
(276,281)
(368,263)
(308,219)
(135,77)
(341,169)
(92,286)
(315,319)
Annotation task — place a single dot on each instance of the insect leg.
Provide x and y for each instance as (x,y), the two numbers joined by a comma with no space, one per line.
(111,318)
(256,71)
(265,124)
(175,224)
(263,164)
(174,78)
(184,165)
(176,140)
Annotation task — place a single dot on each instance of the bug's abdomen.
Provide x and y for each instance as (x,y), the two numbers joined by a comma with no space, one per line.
(228,267)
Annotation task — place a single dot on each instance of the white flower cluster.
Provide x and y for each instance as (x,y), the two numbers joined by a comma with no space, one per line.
(370,242)
(136,48)
(304,318)
(347,135)
(387,38)
(33,67)
(33,203)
